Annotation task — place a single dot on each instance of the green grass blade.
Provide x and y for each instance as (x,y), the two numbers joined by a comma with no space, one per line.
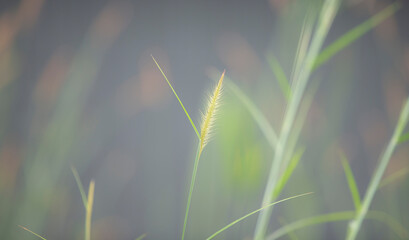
(141,237)
(252,213)
(355,225)
(176,95)
(288,172)
(90,203)
(394,176)
(355,33)
(192,184)
(325,20)
(291,234)
(260,119)
(351,183)
(393,224)
(280,76)
(79,185)
(404,138)
(28,230)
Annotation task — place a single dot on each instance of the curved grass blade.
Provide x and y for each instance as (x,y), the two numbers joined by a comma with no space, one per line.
(260,119)
(141,237)
(79,185)
(355,225)
(176,95)
(90,203)
(288,172)
(280,76)
(28,230)
(254,212)
(351,183)
(404,138)
(393,224)
(355,33)
(394,176)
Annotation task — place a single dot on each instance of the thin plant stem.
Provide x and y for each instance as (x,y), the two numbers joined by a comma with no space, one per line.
(192,184)
(355,225)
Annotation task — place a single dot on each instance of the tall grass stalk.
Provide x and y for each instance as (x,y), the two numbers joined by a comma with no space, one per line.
(355,225)
(90,203)
(325,20)
(208,118)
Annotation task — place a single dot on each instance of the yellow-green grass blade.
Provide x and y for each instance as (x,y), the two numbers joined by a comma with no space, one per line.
(355,33)
(351,183)
(252,213)
(394,176)
(288,172)
(90,203)
(176,95)
(355,225)
(404,138)
(388,220)
(280,76)
(35,234)
(79,185)
(141,237)
(257,115)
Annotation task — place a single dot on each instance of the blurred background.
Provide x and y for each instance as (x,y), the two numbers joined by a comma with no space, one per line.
(78,88)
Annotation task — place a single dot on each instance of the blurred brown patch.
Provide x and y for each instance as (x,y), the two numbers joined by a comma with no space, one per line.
(239,57)
(110,23)
(373,128)
(147,88)
(395,95)
(52,77)
(9,165)
(109,228)
(279,5)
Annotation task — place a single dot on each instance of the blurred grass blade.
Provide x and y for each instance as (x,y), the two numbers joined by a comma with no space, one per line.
(79,185)
(351,183)
(254,212)
(355,225)
(28,230)
(260,119)
(394,176)
(280,76)
(288,172)
(404,138)
(291,234)
(90,203)
(141,237)
(327,15)
(176,95)
(355,33)
(392,223)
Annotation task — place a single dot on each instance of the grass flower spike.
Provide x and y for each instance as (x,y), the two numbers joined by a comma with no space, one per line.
(209,116)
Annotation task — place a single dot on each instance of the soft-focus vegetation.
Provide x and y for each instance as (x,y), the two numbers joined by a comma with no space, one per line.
(97,100)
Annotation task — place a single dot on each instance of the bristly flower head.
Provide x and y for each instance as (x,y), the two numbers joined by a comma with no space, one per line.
(209,116)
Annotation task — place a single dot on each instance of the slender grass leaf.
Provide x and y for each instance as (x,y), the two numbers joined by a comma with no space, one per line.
(141,237)
(176,95)
(90,203)
(355,225)
(280,76)
(392,223)
(355,33)
(28,230)
(257,115)
(394,176)
(288,172)
(404,138)
(351,183)
(79,185)
(252,213)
